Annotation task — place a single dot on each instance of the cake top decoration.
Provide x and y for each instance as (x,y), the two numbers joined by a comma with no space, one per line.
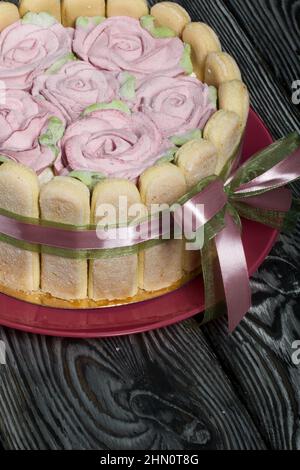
(30,130)
(113,143)
(76,86)
(122,44)
(30,46)
(111,97)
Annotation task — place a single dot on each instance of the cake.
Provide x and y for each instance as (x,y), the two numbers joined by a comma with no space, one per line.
(101,101)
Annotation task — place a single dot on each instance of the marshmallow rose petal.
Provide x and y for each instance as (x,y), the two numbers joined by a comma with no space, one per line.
(30,130)
(112,143)
(30,46)
(122,44)
(176,105)
(75,87)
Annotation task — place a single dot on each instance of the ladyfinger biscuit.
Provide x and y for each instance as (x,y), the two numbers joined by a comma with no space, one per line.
(171,15)
(220,67)
(65,200)
(224,130)
(133,8)
(197,159)
(9,14)
(19,193)
(162,265)
(234,96)
(203,40)
(37,6)
(113,278)
(72,9)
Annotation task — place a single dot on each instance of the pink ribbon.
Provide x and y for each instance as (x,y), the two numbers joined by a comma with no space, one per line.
(212,198)
(234,271)
(285,172)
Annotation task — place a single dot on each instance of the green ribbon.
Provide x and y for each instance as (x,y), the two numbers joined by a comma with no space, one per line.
(212,228)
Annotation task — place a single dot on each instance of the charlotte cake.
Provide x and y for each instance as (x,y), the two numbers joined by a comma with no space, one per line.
(133,106)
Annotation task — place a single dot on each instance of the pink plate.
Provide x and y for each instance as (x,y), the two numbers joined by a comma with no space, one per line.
(148,315)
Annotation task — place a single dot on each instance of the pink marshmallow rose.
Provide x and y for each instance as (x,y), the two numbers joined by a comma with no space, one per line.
(30,130)
(28,49)
(176,105)
(76,86)
(113,143)
(121,44)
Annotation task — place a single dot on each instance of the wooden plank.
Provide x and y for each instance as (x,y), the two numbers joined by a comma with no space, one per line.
(259,354)
(162,390)
(277,40)
(267,98)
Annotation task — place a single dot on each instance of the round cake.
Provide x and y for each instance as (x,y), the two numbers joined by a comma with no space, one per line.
(101,101)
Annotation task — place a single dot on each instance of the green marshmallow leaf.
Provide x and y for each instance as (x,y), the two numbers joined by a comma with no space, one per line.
(61,62)
(128,86)
(84,21)
(89,178)
(186,61)
(213,95)
(54,133)
(4,159)
(45,20)
(118,105)
(168,157)
(147,22)
(180,140)
(98,19)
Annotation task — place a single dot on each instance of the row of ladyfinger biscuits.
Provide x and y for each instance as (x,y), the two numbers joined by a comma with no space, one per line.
(209,62)
(66,200)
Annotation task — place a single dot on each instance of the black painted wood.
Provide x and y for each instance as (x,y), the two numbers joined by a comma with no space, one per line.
(184,387)
(278,39)
(163,390)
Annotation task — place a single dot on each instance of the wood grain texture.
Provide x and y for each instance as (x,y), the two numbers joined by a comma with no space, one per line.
(277,40)
(258,357)
(163,390)
(184,387)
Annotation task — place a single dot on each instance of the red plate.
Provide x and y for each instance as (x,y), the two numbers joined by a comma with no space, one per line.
(144,316)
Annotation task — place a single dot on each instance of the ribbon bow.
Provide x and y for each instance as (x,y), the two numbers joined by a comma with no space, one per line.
(256,192)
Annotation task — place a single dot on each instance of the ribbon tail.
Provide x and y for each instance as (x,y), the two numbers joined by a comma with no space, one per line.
(234,270)
(215,304)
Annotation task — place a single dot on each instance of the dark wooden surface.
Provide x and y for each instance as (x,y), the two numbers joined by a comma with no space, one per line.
(184,387)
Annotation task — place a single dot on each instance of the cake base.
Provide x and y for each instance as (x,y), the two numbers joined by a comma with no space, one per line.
(47,300)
